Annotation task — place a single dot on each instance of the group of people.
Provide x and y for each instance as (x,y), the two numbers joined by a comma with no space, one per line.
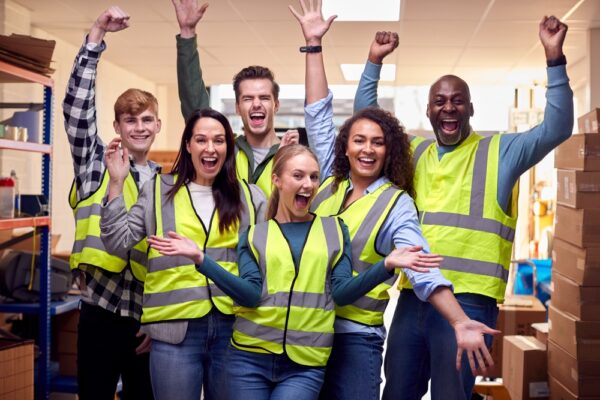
(258,268)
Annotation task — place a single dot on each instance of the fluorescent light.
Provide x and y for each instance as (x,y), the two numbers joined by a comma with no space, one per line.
(361,10)
(352,72)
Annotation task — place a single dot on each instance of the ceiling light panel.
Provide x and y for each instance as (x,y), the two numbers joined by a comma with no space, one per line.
(361,10)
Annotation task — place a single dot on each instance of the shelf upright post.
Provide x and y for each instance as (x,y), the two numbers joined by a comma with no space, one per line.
(43,386)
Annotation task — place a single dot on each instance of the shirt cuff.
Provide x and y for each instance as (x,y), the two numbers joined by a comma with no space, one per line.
(314,108)
(557,75)
(373,71)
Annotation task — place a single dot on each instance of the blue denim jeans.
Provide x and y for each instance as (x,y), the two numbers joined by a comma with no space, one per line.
(178,371)
(422,345)
(354,368)
(258,376)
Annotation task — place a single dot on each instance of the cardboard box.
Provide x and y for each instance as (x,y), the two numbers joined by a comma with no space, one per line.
(579,152)
(581,265)
(582,378)
(558,391)
(583,302)
(578,226)
(541,331)
(68,321)
(578,189)
(524,368)
(67,364)
(581,339)
(515,317)
(588,123)
(16,369)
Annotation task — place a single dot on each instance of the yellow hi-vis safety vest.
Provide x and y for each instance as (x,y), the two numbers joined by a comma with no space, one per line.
(244,172)
(457,199)
(88,247)
(296,313)
(364,219)
(174,289)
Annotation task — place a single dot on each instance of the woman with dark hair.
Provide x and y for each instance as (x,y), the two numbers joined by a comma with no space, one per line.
(298,265)
(188,318)
(369,184)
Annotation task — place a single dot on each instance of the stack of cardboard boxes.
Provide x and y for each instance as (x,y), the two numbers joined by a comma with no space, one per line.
(574,314)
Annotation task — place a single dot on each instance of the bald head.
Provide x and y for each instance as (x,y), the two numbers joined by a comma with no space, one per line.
(449,109)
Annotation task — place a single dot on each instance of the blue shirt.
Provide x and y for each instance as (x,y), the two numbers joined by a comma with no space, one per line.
(518,151)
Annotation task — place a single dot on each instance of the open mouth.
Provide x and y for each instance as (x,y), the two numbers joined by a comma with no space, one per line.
(209,162)
(366,162)
(302,200)
(449,125)
(257,118)
(139,138)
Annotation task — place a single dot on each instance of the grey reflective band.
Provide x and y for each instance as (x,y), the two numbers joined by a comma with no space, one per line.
(93,242)
(420,149)
(479,177)
(322,195)
(299,299)
(469,222)
(370,304)
(167,212)
(259,241)
(364,231)
(87,211)
(274,335)
(162,263)
(475,267)
(176,296)
(138,256)
(215,291)
(224,254)
(331,237)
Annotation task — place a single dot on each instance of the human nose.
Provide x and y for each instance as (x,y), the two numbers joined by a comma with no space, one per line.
(449,106)
(210,146)
(139,125)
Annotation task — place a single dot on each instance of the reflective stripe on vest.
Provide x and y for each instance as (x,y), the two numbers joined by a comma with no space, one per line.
(243,169)
(364,218)
(88,248)
(460,214)
(296,312)
(174,289)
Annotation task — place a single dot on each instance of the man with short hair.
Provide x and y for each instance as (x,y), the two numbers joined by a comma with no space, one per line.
(256,100)
(109,344)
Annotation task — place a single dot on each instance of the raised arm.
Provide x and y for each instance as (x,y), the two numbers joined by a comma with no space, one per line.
(383,44)
(79,105)
(520,151)
(192,90)
(318,110)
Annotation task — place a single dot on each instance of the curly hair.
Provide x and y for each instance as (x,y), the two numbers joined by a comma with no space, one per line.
(397,167)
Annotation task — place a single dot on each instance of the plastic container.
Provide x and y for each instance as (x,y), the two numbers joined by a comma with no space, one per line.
(7,198)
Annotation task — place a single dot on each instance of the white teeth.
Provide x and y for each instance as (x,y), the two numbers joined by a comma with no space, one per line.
(367,160)
(304,194)
(210,159)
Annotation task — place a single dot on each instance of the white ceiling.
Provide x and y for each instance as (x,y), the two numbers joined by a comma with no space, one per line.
(483,41)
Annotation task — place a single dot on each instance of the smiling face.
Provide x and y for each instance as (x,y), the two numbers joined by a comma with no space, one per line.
(208,150)
(297,185)
(256,105)
(366,151)
(449,110)
(138,131)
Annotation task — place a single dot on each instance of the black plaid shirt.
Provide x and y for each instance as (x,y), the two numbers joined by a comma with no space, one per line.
(116,292)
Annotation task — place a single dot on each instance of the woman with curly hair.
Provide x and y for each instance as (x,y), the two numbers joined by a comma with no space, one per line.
(369,184)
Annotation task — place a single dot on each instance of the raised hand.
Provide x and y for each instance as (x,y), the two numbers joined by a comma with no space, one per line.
(177,245)
(117,164)
(383,44)
(470,340)
(292,136)
(552,36)
(311,20)
(188,15)
(113,19)
(412,258)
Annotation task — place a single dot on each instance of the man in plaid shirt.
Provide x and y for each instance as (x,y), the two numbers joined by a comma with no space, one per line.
(109,344)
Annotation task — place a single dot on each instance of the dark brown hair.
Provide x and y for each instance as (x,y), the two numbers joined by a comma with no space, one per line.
(254,72)
(283,155)
(397,166)
(225,188)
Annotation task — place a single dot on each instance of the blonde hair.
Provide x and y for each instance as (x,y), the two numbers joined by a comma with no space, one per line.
(134,102)
(283,155)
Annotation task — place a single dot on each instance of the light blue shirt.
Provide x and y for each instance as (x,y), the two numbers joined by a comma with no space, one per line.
(518,151)
(400,229)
